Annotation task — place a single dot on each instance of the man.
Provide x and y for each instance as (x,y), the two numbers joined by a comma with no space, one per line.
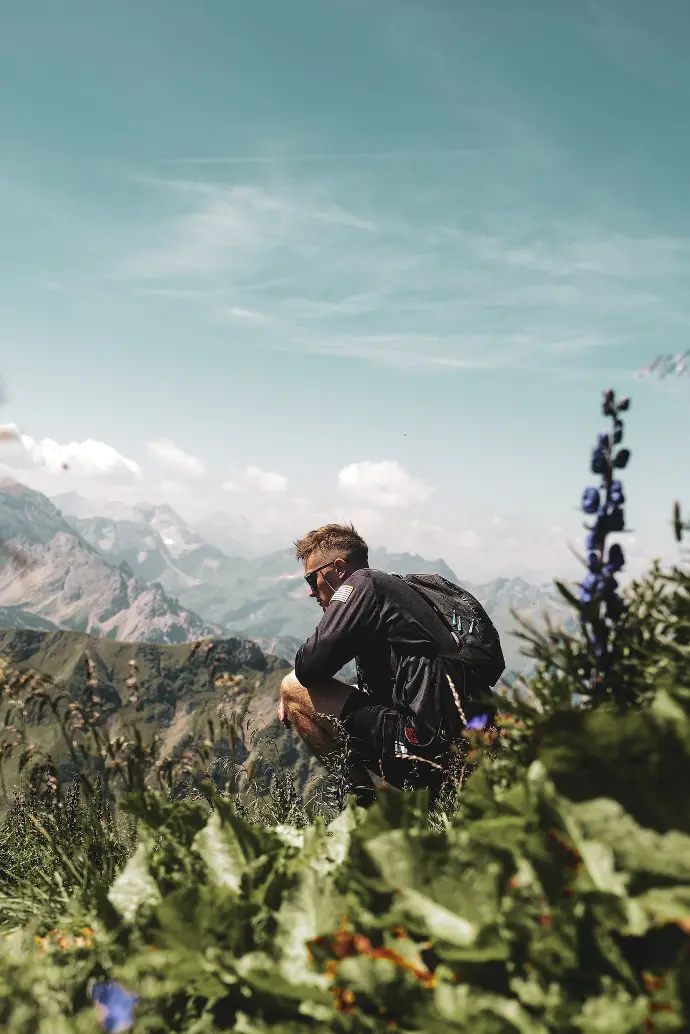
(397,720)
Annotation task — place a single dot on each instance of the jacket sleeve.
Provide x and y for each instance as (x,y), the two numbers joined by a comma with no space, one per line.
(348,625)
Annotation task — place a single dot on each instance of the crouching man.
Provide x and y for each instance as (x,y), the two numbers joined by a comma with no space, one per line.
(416,689)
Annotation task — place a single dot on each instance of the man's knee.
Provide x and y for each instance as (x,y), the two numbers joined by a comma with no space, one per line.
(291,690)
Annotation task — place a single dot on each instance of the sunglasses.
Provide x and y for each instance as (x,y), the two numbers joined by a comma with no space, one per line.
(311,578)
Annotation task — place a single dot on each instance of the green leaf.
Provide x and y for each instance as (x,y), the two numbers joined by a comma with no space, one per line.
(219,847)
(135,886)
(308,910)
(439,922)
(464,1008)
(667,905)
(636,848)
(615,1012)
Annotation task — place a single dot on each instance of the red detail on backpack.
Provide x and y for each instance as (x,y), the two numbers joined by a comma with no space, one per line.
(410,735)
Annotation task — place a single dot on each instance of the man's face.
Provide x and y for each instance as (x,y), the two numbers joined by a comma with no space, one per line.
(323,578)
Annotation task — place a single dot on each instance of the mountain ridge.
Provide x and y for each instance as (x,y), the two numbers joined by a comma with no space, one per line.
(70,584)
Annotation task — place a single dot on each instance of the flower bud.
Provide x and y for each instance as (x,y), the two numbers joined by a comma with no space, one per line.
(616,557)
(593,562)
(621,458)
(590,582)
(590,500)
(599,462)
(616,496)
(623,404)
(618,432)
(616,520)
(603,441)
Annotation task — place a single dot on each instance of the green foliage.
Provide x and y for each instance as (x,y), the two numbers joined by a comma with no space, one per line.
(550,893)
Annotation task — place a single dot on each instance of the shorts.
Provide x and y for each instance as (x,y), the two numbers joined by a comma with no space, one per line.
(383,739)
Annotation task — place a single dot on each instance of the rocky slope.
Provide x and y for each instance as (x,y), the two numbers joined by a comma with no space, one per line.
(71,584)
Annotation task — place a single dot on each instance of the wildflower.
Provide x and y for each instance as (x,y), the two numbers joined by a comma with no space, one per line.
(590,500)
(478,722)
(115,1006)
(616,497)
(599,585)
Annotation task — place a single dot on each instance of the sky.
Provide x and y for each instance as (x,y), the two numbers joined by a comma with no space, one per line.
(305,262)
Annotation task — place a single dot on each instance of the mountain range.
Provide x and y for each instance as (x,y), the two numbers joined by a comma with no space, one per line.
(70,584)
(142,573)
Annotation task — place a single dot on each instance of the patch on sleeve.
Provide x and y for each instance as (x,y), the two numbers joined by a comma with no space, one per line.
(342,594)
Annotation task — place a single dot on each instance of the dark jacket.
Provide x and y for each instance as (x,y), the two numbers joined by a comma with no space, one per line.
(395,637)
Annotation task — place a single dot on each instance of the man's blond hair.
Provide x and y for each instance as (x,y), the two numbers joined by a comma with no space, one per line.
(333,542)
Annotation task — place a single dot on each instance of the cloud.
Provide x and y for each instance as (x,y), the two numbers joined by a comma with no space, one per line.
(255,478)
(321,257)
(235,228)
(385,484)
(247,315)
(88,458)
(9,433)
(171,456)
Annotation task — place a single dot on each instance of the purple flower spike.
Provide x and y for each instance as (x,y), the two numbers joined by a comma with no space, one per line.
(478,722)
(115,1007)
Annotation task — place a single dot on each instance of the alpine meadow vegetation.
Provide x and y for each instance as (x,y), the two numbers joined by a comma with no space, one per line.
(548,889)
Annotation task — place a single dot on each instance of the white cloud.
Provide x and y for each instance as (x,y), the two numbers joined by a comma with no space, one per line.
(9,433)
(88,458)
(170,455)
(384,484)
(247,315)
(255,478)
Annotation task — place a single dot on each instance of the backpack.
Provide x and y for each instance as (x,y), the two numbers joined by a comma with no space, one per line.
(479,661)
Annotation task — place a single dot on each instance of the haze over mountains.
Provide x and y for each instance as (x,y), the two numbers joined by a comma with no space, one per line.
(144,574)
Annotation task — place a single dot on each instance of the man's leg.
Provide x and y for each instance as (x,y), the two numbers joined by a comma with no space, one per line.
(311,713)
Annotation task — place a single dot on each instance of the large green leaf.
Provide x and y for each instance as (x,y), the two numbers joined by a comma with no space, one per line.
(309,909)
(217,843)
(135,886)
(636,849)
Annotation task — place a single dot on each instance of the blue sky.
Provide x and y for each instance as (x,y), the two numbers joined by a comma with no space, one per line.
(372,261)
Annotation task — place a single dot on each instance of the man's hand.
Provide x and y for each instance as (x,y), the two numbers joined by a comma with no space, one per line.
(282,716)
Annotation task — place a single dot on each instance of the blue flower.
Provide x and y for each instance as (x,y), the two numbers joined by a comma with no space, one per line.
(616,496)
(590,500)
(115,1006)
(478,722)
(599,461)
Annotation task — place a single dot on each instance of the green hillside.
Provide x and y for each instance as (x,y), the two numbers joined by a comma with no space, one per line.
(177,690)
